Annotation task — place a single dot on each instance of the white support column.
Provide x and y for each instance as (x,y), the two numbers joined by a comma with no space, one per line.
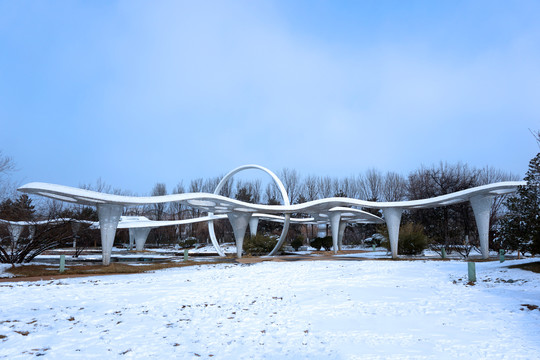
(75,227)
(392,217)
(15,231)
(109,216)
(131,239)
(253,223)
(31,232)
(342,226)
(239,222)
(481,206)
(334,227)
(213,238)
(139,235)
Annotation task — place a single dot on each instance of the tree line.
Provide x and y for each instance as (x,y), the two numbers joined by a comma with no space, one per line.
(447,226)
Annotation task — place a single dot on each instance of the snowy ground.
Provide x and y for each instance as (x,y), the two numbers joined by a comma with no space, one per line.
(295,310)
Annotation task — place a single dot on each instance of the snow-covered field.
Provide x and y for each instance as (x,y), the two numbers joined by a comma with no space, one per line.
(271,310)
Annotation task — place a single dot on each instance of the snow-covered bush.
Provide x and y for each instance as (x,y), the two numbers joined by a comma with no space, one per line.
(375,239)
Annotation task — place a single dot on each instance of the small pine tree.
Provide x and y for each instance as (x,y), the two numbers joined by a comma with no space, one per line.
(259,244)
(297,242)
(327,243)
(316,243)
(520,228)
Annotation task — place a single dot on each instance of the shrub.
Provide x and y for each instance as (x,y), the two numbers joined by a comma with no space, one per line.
(327,243)
(412,240)
(297,242)
(377,239)
(259,244)
(316,243)
(187,243)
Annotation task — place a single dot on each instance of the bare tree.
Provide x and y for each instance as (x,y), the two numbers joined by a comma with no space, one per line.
(6,163)
(103,187)
(158,210)
(53,208)
(336,188)
(309,188)
(291,181)
(370,185)
(394,187)
(20,243)
(7,187)
(177,209)
(350,187)
(451,225)
(325,186)
(374,184)
(536,135)
(196,185)
(210,184)
(30,244)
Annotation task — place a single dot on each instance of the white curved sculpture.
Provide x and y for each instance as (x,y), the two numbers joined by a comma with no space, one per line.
(335,210)
(238,218)
(140,226)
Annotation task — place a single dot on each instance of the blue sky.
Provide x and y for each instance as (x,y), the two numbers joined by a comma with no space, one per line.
(139,92)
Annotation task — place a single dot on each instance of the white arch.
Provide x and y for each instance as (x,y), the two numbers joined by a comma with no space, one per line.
(286,202)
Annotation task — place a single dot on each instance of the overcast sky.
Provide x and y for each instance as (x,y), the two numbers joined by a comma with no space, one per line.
(137,92)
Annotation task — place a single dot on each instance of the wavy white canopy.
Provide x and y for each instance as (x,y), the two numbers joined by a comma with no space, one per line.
(336,210)
(221,205)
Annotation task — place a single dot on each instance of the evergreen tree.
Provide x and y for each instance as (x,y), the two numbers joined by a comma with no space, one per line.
(19,210)
(244,195)
(521,226)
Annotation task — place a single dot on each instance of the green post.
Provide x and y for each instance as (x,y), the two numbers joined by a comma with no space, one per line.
(501,255)
(374,247)
(443,253)
(472,272)
(185,254)
(62,263)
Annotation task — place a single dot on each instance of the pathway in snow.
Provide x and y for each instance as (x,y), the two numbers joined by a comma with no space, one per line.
(315,310)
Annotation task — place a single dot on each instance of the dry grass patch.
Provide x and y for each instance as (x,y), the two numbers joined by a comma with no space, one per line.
(340,252)
(24,271)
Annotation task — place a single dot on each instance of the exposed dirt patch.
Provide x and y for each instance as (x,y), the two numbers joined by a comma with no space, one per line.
(530,307)
(532,266)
